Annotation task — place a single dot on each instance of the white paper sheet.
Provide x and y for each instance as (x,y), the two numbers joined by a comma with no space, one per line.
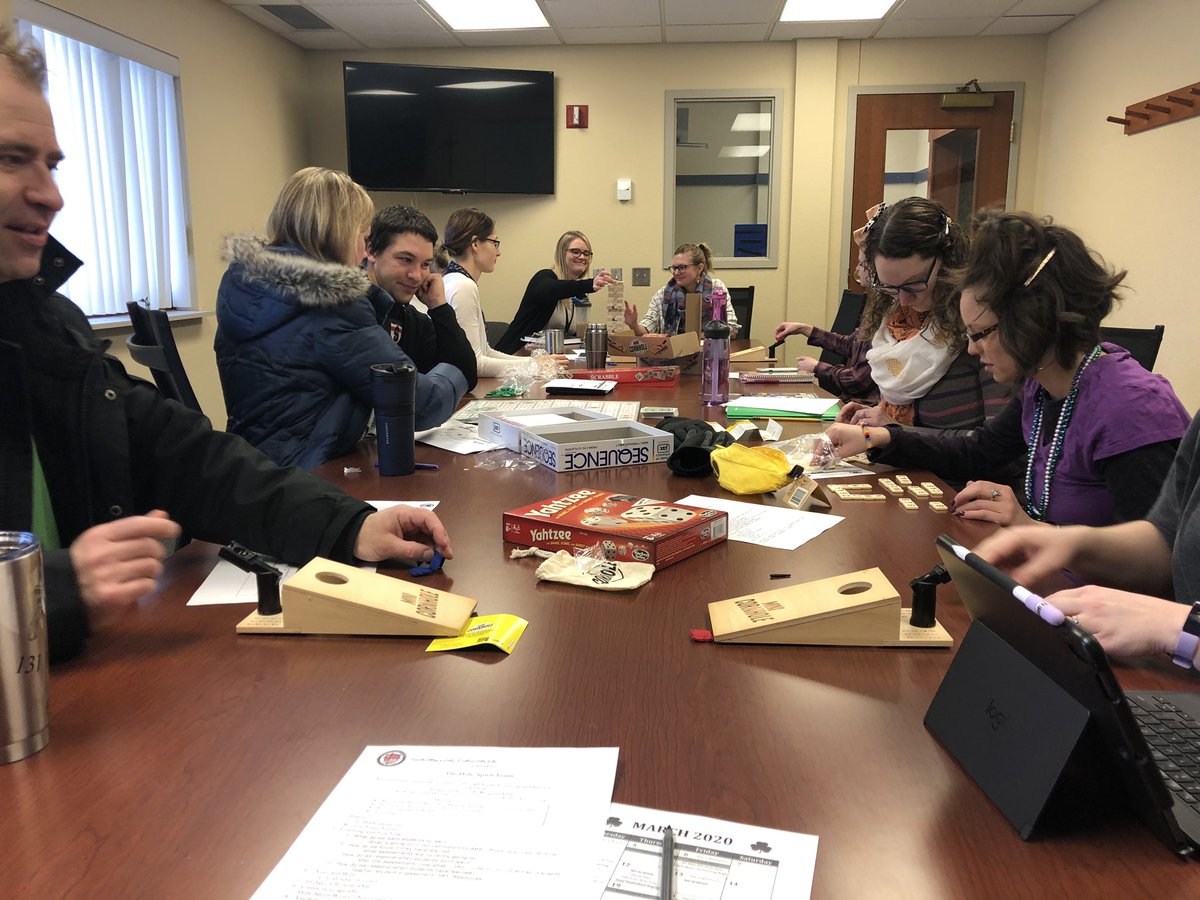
(226,583)
(714,860)
(618,409)
(457,437)
(454,823)
(767,526)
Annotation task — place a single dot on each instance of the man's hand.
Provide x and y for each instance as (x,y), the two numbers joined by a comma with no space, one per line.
(402,532)
(119,562)
(432,292)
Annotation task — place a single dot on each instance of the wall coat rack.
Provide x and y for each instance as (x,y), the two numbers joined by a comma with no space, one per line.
(1173,106)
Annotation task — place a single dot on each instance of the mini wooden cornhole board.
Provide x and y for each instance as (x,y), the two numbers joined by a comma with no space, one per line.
(326,597)
(860,609)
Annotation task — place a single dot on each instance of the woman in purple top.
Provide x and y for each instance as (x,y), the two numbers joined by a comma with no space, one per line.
(1096,432)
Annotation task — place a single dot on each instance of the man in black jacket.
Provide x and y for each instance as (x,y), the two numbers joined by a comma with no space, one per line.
(98,464)
(399,261)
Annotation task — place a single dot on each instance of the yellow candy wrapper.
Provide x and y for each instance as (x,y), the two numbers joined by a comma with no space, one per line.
(501,631)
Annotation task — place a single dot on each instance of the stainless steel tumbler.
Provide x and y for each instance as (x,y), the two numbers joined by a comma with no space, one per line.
(24,664)
(595,345)
(554,340)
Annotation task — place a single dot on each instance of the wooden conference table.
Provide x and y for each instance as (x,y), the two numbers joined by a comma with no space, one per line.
(184,759)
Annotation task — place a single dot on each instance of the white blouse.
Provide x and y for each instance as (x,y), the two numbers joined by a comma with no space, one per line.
(463,294)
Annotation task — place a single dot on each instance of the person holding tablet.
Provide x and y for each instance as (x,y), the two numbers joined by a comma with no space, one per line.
(552,294)
(1094,432)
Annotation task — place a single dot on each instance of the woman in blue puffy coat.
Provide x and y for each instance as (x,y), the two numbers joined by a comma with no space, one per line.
(297,330)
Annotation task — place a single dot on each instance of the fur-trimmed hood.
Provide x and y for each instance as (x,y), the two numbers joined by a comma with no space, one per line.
(265,287)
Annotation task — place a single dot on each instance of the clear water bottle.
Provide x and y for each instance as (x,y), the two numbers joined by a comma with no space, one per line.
(714,377)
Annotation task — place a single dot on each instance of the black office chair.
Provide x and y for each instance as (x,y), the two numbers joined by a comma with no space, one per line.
(153,345)
(495,331)
(1142,343)
(742,301)
(846,321)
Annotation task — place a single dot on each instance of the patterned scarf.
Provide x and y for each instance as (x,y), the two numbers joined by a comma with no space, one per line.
(675,299)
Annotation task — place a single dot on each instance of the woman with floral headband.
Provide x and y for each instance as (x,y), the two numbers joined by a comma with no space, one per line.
(1093,430)
(691,273)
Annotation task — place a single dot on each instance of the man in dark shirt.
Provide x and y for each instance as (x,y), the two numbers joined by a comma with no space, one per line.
(399,261)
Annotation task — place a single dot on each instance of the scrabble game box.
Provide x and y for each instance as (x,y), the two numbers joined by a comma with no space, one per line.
(651,376)
(639,529)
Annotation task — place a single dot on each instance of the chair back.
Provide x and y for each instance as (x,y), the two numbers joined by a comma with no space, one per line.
(742,301)
(846,321)
(153,346)
(1142,343)
(495,331)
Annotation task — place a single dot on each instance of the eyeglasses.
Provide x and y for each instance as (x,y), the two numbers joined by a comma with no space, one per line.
(975,337)
(911,287)
(580,254)
(678,269)
(492,240)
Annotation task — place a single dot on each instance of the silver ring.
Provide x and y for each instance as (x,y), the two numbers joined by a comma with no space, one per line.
(995,494)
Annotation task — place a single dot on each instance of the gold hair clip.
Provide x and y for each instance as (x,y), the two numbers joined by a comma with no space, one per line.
(1041,265)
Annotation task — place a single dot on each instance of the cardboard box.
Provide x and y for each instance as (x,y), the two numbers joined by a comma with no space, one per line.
(505,427)
(596,445)
(654,346)
(630,528)
(651,376)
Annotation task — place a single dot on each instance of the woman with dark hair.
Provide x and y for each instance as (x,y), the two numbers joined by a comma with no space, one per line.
(469,251)
(553,294)
(691,273)
(917,359)
(1096,432)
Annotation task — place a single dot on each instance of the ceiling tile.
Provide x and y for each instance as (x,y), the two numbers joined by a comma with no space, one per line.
(365,18)
(1026,24)
(647,34)
(383,40)
(950,9)
(718,12)
(579,14)
(689,34)
(1051,7)
(918,28)
(324,40)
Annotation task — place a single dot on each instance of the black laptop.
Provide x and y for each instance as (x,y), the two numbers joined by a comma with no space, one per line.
(1035,715)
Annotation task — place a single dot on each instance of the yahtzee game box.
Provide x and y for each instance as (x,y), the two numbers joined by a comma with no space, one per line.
(640,529)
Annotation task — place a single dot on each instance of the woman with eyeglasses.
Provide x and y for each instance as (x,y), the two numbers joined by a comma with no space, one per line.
(1094,432)
(553,294)
(691,268)
(469,250)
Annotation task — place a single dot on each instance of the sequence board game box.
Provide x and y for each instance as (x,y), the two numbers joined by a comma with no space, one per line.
(640,529)
(598,444)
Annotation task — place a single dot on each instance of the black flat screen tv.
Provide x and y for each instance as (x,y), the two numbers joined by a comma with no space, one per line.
(433,128)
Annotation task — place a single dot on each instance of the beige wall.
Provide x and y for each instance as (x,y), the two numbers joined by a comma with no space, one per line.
(1134,198)
(244,131)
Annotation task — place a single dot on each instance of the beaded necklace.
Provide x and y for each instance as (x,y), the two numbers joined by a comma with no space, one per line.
(1038,512)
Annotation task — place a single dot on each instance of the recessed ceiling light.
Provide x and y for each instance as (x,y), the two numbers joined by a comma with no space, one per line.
(835,10)
(749,150)
(489,15)
(751,122)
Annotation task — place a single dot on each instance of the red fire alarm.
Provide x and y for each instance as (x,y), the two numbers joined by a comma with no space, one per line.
(577,117)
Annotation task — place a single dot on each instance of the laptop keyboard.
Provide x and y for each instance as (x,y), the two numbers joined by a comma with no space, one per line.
(1174,739)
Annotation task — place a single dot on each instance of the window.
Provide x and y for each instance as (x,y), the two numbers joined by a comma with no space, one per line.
(722,183)
(115,105)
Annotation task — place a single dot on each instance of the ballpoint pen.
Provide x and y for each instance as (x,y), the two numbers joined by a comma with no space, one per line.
(667,891)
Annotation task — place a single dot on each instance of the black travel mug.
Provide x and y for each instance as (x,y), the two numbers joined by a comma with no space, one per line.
(394,391)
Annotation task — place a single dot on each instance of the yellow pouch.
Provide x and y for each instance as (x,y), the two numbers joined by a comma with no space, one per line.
(751,470)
